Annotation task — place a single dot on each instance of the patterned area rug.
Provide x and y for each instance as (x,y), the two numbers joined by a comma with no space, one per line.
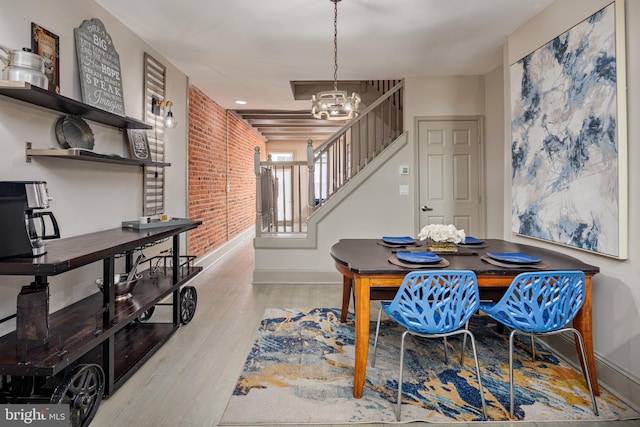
(300,370)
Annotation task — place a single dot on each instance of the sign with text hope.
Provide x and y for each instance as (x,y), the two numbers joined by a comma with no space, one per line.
(99,67)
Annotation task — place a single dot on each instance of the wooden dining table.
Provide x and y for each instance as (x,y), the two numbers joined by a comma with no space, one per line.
(366,268)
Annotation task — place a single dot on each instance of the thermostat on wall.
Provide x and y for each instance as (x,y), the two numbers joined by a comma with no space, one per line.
(404,170)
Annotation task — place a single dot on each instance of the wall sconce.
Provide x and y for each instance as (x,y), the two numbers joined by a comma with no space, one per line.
(169,121)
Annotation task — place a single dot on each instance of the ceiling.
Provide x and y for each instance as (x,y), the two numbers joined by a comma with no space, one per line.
(254,49)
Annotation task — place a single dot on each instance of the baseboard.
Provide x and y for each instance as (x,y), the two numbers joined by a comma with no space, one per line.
(214,256)
(620,383)
(296,277)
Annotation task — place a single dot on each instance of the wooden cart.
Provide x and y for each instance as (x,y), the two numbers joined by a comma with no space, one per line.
(88,349)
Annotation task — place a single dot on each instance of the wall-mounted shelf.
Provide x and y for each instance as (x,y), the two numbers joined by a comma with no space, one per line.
(26,92)
(88,155)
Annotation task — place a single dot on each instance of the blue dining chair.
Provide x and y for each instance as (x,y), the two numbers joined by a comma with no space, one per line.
(537,304)
(433,304)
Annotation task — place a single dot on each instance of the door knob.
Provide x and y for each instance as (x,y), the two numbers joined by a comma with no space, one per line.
(426,208)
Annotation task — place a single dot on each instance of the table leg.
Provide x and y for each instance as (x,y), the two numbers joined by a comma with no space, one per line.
(583,323)
(362,305)
(346,296)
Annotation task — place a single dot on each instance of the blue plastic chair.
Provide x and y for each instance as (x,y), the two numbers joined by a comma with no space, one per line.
(434,304)
(541,303)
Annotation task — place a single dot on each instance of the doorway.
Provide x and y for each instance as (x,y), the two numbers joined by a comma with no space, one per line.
(450,173)
(285,191)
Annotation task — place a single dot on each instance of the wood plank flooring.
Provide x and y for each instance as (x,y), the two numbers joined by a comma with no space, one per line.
(188,381)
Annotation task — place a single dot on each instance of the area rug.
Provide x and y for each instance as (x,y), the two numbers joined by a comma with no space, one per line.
(300,371)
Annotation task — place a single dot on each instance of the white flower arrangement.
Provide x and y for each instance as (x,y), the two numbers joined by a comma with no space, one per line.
(442,233)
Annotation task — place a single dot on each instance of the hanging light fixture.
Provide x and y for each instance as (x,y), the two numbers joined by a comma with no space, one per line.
(169,121)
(335,104)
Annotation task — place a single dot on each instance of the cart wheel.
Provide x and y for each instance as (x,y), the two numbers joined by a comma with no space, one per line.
(82,389)
(146,315)
(188,302)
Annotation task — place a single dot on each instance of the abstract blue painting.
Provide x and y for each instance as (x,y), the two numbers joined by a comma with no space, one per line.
(565,139)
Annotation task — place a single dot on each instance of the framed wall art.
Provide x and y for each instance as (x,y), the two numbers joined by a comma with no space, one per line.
(47,45)
(569,138)
(138,144)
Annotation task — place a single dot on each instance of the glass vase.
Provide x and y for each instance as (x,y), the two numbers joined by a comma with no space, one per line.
(434,246)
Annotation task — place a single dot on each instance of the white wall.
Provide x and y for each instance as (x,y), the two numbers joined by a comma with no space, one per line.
(616,291)
(494,152)
(87,196)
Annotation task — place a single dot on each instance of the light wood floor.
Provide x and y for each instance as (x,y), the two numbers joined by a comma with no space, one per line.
(189,380)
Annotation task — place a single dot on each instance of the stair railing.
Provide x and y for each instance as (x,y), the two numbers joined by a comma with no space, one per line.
(282,204)
(355,145)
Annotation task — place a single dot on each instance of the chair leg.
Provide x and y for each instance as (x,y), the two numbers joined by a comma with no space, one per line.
(584,363)
(375,341)
(475,357)
(533,349)
(399,404)
(464,344)
(586,370)
(511,336)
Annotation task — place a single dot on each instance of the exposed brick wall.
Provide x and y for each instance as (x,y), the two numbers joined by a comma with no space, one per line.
(211,159)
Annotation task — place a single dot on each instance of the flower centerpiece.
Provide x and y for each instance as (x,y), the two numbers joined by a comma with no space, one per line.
(441,237)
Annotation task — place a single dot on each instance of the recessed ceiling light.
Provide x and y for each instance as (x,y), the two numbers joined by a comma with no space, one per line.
(240,102)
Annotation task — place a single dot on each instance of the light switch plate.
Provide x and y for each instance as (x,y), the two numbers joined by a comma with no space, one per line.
(404,190)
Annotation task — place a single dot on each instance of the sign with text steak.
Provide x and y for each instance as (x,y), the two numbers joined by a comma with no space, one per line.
(99,67)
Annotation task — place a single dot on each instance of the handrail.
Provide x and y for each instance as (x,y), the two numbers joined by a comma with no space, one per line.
(280,200)
(361,116)
(353,146)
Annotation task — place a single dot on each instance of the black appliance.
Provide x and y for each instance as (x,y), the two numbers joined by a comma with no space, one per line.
(23,227)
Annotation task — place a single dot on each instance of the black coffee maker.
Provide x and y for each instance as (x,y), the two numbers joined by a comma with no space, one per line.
(23,229)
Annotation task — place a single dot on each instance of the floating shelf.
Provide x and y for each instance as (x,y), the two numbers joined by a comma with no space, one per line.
(35,95)
(88,155)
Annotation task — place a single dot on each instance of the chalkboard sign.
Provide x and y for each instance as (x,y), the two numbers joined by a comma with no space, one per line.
(99,66)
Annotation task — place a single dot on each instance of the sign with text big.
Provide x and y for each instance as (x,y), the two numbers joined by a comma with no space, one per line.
(99,67)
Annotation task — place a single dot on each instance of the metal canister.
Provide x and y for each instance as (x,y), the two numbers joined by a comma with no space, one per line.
(24,65)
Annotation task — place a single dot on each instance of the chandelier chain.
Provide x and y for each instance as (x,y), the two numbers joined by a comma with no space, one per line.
(335,104)
(335,45)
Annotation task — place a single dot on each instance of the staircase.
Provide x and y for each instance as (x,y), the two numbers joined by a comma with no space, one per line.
(289,194)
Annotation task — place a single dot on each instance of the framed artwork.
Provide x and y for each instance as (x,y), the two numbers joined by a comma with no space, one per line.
(138,144)
(568,138)
(47,45)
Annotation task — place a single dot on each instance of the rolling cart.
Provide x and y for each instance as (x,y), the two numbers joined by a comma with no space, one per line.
(85,351)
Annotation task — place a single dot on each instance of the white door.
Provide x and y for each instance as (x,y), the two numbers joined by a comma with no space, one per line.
(450,185)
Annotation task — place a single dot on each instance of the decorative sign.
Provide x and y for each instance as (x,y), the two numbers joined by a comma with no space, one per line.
(99,66)
(138,144)
(47,45)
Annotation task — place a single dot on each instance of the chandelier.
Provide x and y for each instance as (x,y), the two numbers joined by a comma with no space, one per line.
(335,104)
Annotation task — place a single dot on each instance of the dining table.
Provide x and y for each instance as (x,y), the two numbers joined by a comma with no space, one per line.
(371,270)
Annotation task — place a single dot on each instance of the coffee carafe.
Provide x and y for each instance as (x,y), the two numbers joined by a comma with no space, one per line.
(23,227)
